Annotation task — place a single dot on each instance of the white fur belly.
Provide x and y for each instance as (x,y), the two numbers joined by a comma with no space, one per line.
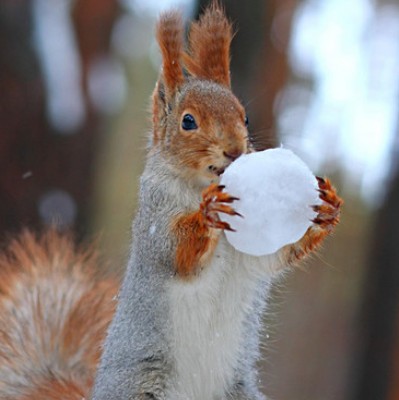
(207,325)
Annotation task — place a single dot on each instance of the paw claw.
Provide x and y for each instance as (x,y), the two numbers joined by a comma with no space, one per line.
(329,211)
(229,228)
(213,202)
(328,215)
(322,192)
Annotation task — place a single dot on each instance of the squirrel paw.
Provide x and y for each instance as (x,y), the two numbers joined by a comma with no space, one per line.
(213,199)
(328,212)
(324,223)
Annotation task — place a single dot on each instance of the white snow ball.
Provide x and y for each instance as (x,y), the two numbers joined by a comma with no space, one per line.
(276,190)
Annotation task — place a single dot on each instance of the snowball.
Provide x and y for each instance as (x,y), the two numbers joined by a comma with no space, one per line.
(276,191)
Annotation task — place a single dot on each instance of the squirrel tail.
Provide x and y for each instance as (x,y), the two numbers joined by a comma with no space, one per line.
(55,309)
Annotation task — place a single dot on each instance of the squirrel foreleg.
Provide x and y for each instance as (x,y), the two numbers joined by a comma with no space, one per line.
(327,218)
(198,233)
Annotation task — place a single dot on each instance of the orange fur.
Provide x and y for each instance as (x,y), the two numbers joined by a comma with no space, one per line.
(202,147)
(57,389)
(194,241)
(54,312)
(169,34)
(209,41)
(208,59)
(198,233)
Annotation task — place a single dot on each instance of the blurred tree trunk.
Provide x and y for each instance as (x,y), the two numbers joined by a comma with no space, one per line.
(36,161)
(378,363)
(259,61)
(93,22)
(393,388)
(22,120)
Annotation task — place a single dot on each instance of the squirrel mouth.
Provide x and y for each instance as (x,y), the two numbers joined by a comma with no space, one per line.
(215,170)
(220,171)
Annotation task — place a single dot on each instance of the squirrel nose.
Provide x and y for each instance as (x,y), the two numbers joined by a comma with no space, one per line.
(232,155)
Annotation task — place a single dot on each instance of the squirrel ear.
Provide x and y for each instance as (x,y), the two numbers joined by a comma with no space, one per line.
(209,41)
(160,109)
(169,32)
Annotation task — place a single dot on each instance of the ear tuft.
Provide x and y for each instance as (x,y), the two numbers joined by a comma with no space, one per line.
(169,34)
(209,41)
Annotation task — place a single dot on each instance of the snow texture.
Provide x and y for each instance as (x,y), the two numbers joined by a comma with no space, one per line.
(276,191)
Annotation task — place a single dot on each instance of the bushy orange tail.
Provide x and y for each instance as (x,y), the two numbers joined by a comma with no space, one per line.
(54,313)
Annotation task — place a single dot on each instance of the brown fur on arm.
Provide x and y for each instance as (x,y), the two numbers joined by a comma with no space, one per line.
(195,243)
(197,234)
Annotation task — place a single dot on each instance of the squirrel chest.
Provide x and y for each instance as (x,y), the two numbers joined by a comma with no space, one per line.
(210,318)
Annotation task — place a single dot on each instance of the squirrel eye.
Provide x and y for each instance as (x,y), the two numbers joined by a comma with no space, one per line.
(188,123)
(246,121)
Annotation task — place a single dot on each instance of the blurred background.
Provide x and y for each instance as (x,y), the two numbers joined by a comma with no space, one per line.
(320,77)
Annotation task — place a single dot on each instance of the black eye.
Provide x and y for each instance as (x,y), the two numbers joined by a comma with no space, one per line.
(246,121)
(188,123)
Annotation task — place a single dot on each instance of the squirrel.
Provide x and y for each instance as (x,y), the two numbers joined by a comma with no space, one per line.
(188,315)
(188,319)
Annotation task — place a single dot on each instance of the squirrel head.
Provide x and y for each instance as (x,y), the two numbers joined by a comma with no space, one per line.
(198,123)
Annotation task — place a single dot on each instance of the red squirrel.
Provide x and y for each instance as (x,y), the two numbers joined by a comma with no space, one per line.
(186,322)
